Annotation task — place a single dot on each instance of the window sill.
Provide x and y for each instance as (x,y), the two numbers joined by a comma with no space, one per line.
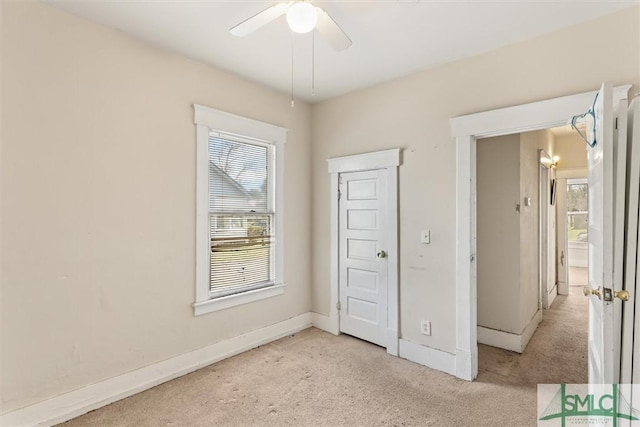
(221,303)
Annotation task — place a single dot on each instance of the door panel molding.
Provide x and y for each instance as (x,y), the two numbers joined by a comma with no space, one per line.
(387,160)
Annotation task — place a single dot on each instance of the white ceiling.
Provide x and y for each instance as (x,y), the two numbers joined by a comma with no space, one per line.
(391,38)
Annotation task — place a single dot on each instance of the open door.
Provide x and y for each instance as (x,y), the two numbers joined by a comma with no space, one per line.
(630,369)
(605,293)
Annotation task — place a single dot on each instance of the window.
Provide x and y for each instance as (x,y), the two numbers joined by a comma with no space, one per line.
(239,210)
(577,210)
(240,215)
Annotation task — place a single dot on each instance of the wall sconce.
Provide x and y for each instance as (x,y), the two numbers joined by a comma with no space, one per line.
(554,163)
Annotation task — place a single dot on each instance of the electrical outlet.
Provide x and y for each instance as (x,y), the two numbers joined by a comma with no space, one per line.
(425,327)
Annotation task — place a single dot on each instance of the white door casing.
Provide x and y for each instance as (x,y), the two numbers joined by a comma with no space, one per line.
(562,238)
(545,285)
(551,239)
(363,261)
(630,367)
(466,130)
(387,162)
(620,113)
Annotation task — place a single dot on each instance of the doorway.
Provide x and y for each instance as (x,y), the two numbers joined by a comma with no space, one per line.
(577,219)
(517,257)
(516,240)
(509,239)
(364,247)
(467,130)
(363,262)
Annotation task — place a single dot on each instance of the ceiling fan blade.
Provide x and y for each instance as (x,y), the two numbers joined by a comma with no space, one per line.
(331,31)
(249,25)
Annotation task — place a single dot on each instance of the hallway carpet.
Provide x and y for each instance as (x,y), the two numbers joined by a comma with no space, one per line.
(314,378)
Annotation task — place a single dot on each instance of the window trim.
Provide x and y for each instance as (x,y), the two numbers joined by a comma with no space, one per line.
(209,120)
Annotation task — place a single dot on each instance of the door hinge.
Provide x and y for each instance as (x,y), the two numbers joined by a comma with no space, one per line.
(616,123)
(338,306)
(339,194)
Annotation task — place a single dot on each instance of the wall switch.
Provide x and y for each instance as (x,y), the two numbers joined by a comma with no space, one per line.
(527,201)
(425,327)
(425,236)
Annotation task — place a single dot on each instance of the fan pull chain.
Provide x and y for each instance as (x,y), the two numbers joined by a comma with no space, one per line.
(313,63)
(293,104)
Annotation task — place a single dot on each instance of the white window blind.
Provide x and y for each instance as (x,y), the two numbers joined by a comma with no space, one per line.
(241,215)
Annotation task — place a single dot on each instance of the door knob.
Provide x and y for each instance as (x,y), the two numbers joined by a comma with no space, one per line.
(589,291)
(623,295)
(382,254)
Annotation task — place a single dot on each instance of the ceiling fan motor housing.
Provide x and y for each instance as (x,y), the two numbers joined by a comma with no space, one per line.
(302,17)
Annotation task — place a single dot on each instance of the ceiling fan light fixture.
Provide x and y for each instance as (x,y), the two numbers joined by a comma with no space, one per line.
(302,17)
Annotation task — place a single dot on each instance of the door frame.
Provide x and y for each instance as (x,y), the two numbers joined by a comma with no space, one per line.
(544,175)
(388,160)
(467,130)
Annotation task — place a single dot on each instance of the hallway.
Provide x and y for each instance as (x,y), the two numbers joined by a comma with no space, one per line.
(557,352)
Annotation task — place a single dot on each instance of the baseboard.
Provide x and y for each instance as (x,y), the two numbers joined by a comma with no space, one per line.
(331,325)
(500,339)
(530,329)
(326,323)
(70,405)
(551,296)
(507,340)
(427,356)
(563,288)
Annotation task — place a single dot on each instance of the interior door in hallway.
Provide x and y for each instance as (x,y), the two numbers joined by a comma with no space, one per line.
(605,200)
(363,262)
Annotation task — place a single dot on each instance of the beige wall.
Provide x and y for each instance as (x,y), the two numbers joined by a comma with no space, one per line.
(413,113)
(572,151)
(508,240)
(529,228)
(498,225)
(98,203)
(97,175)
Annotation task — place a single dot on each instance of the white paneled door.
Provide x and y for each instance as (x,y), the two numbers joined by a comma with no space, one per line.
(363,262)
(605,201)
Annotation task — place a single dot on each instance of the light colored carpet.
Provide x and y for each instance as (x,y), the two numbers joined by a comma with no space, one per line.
(578,276)
(314,378)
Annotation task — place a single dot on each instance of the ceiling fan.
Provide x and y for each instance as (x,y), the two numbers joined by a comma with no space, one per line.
(302,17)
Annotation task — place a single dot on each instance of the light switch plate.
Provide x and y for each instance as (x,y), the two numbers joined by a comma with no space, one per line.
(425,236)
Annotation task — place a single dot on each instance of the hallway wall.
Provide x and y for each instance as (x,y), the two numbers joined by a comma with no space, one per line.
(498,225)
